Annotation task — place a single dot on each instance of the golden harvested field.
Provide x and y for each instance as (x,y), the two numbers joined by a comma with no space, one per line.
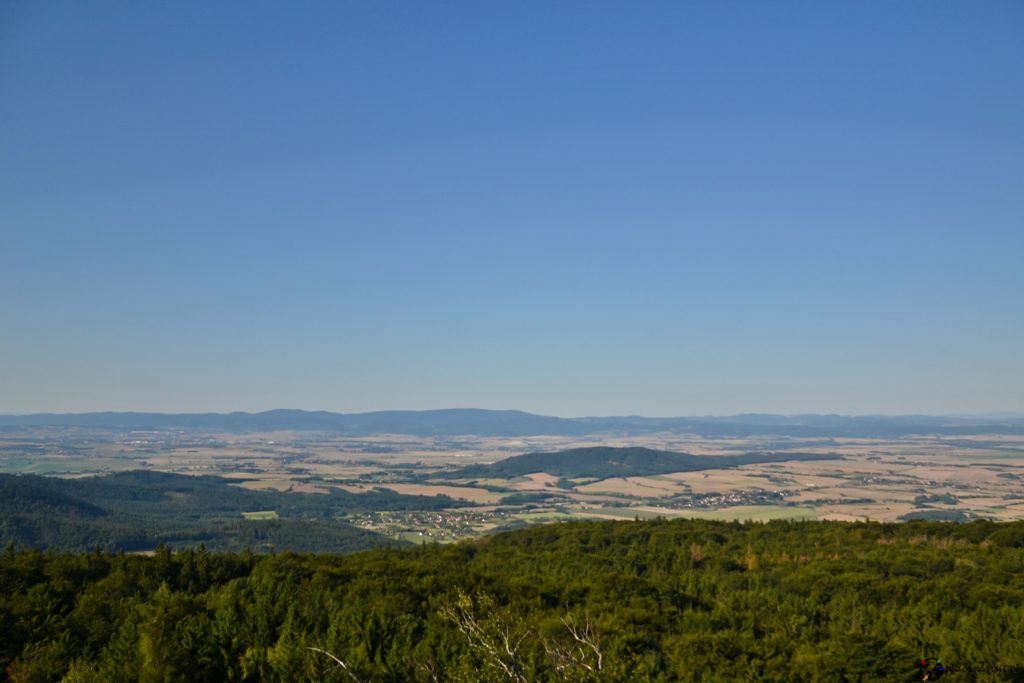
(719,481)
(883,479)
(282,485)
(644,487)
(537,481)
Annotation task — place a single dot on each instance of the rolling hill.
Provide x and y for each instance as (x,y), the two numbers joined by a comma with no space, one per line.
(602,462)
(139,509)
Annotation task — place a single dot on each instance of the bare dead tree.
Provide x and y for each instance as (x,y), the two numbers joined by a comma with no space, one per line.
(342,665)
(586,634)
(430,667)
(584,651)
(498,641)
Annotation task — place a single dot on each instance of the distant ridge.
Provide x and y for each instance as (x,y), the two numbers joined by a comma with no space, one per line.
(602,462)
(474,421)
(448,422)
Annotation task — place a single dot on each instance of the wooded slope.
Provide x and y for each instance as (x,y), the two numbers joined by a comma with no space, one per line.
(139,509)
(602,462)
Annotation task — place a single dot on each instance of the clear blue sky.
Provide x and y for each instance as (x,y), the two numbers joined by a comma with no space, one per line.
(564,207)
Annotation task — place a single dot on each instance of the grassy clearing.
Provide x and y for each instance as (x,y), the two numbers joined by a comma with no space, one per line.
(537,481)
(544,516)
(617,513)
(260,514)
(264,483)
(742,513)
(639,487)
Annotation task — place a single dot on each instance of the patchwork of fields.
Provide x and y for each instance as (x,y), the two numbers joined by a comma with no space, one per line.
(927,476)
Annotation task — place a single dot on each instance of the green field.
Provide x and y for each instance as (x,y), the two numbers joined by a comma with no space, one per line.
(742,513)
(544,516)
(261,514)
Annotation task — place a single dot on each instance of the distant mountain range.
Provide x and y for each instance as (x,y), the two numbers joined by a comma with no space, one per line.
(453,422)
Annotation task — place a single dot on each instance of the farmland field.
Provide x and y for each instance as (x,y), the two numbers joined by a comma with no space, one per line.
(930,476)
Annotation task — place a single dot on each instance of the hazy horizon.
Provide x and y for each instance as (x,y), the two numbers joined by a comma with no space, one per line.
(575,209)
(987,415)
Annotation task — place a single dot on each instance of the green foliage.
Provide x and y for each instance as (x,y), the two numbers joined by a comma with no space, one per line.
(686,600)
(602,462)
(527,497)
(927,499)
(138,510)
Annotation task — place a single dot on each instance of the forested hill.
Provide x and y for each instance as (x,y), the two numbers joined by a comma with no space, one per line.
(139,509)
(602,462)
(685,600)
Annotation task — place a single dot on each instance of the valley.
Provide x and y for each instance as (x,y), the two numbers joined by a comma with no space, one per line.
(488,488)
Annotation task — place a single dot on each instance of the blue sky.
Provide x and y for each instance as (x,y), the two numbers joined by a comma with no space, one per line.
(574,208)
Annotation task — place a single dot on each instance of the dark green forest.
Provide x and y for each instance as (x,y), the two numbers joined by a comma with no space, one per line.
(603,462)
(138,510)
(659,600)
